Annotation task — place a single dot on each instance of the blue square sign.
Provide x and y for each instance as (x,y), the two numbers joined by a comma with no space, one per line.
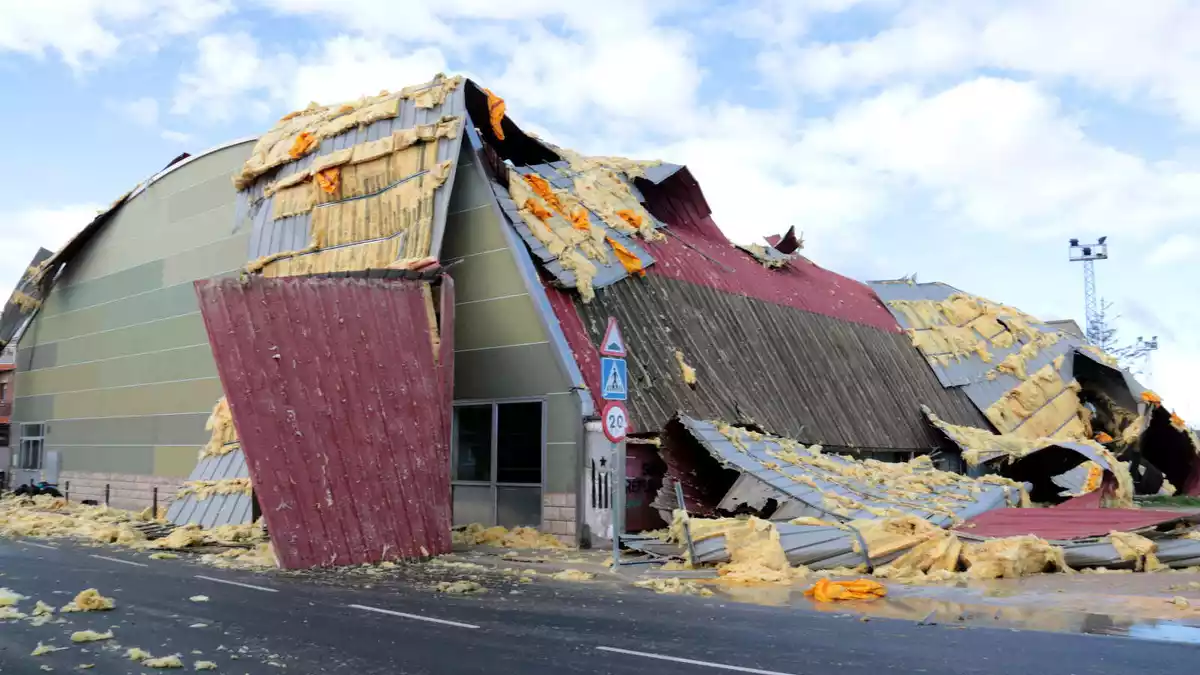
(614,380)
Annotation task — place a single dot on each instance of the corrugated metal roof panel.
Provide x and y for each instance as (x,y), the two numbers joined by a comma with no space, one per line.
(798,374)
(271,236)
(342,406)
(236,509)
(608,272)
(970,372)
(808,484)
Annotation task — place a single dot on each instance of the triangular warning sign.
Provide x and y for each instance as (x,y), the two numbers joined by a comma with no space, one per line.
(613,343)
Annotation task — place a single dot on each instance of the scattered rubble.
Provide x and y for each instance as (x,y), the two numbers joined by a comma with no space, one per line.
(573,575)
(45,649)
(90,636)
(89,601)
(500,537)
(674,586)
(164,662)
(463,587)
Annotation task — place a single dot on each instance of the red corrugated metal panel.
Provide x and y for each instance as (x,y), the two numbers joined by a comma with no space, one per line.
(343,411)
(1062,524)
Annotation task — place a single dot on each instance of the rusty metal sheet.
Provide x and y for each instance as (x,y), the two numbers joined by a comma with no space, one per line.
(342,402)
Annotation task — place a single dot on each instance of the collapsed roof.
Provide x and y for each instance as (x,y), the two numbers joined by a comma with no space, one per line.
(1040,386)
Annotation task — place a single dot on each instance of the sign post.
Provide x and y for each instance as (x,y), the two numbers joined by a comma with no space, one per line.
(614,385)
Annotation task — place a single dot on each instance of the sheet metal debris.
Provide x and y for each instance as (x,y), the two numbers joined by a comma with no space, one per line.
(804,481)
(306,361)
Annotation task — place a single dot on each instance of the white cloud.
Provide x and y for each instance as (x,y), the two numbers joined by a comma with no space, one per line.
(1001,155)
(347,68)
(1123,49)
(142,111)
(23,232)
(176,136)
(85,32)
(230,79)
(1178,248)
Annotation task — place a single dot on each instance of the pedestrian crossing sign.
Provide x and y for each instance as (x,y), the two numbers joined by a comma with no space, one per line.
(614,379)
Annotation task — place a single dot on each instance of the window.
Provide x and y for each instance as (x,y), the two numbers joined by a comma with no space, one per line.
(32,440)
(3,392)
(497,463)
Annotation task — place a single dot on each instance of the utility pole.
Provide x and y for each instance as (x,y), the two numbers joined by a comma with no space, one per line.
(1088,254)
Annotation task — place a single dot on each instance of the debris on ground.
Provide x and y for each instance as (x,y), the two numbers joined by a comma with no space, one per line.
(172,661)
(204,665)
(835,591)
(9,598)
(137,654)
(42,609)
(674,586)
(573,575)
(90,636)
(199,598)
(454,564)
(45,649)
(163,556)
(463,587)
(501,537)
(89,600)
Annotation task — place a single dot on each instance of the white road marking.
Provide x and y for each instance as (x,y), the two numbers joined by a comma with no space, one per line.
(693,662)
(30,543)
(238,583)
(118,560)
(417,617)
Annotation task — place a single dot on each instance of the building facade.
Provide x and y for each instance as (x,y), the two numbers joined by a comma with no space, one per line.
(116,379)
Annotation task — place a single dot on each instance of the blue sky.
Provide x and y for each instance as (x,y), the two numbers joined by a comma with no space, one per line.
(962,141)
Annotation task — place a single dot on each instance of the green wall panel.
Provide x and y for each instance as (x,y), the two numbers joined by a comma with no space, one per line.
(486,276)
(471,232)
(142,308)
(166,366)
(177,331)
(175,460)
(497,323)
(106,458)
(82,294)
(511,372)
(186,429)
(150,399)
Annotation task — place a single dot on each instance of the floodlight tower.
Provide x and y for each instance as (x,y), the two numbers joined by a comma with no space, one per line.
(1088,254)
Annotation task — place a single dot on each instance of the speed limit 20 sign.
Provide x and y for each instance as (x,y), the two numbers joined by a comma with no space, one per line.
(615,421)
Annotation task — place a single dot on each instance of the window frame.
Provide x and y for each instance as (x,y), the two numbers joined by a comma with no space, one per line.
(493,483)
(40,455)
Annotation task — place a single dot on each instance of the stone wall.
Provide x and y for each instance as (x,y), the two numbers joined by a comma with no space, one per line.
(559,516)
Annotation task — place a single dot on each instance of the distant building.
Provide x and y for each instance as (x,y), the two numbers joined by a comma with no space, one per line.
(1067,326)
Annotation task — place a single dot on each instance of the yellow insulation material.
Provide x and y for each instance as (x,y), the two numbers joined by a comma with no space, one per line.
(1104,357)
(836,591)
(26,302)
(673,586)
(1137,548)
(370,255)
(203,489)
(518,537)
(937,557)
(223,438)
(687,372)
(755,554)
(297,133)
(1012,557)
(496,108)
(89,600)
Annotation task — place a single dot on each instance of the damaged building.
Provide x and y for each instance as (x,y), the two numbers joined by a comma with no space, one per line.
(388,324)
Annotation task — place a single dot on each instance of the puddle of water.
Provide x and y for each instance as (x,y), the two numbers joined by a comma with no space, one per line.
(1164,631)
(985,607)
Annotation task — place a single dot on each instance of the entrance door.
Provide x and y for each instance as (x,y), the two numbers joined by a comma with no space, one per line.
(496,463)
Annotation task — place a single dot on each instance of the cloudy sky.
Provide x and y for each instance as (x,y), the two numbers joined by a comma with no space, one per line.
(964,141)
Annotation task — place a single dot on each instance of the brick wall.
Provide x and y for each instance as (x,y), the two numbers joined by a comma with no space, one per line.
(559,516)
(126,491)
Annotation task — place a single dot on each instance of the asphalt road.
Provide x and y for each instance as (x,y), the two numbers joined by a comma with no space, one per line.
(329,623)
